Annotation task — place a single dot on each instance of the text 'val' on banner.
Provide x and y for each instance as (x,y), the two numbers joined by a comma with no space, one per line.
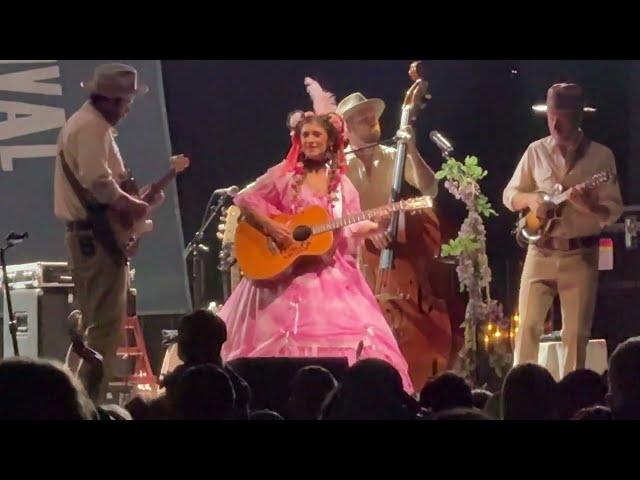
(36,97)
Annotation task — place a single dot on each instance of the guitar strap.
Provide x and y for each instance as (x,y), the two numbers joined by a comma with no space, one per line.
(579,154)
(96,215)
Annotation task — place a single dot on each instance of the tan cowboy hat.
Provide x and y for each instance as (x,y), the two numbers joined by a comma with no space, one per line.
(565,97)
(356,102)
(114,80)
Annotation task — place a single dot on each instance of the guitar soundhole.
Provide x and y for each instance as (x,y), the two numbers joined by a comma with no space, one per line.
(301,233)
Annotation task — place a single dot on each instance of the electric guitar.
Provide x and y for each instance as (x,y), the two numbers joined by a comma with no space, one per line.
(125,229)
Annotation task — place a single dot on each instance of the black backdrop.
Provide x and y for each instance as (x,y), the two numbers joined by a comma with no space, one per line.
(229,116)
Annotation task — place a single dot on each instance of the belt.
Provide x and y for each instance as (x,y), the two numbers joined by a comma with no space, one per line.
(568,244)
(79,225)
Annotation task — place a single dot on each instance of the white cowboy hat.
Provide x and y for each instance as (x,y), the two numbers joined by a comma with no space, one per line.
(356,101)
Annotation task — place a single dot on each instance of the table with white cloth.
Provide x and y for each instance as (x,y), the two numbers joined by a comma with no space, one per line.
(551,355)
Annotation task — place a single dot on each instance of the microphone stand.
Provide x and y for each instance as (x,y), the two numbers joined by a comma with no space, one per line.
(226,283)
(196,248)
(415,97)
(13,326)
(387,254)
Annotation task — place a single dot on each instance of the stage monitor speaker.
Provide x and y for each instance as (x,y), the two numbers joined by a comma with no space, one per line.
(41,315)
(269,377)
(619,289)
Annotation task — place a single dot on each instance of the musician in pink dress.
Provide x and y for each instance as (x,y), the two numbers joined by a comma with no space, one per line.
(322,307)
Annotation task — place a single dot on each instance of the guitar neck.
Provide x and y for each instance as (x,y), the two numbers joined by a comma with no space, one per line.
(564,196)
(560,199)
(356,217)
(160,185)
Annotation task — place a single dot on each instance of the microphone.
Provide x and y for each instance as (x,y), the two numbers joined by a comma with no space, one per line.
(231,191)
(14,238)
(441,142)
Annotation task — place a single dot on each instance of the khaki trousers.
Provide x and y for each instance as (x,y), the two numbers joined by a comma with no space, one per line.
(101,293)
(574,277)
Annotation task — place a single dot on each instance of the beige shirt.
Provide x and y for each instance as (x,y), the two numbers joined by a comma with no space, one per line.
(88,143)
(374,186)
(542,167)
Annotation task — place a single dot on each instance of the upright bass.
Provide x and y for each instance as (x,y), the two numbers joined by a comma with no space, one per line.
(399,274)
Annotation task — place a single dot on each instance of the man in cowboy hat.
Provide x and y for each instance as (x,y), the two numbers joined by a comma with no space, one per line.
(370,166)
(566,262)
(89,170)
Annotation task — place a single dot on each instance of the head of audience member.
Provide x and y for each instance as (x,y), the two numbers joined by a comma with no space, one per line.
(37,389)
(529,392)
(461,413)
(597,412)
(624,380)
(308,391)
(446,391)
(143,408)
(201,335)
(371,389)
(579,389)
(203,392)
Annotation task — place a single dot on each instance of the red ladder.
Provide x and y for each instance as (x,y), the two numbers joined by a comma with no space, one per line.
(142,376)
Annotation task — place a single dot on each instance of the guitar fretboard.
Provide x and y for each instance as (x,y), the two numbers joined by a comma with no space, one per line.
(357,217)
(590,184)
(161,184)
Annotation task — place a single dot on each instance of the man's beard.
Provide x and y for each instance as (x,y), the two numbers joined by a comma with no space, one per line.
(370,138)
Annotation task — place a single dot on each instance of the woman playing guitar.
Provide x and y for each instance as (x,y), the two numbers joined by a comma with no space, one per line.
(321,307)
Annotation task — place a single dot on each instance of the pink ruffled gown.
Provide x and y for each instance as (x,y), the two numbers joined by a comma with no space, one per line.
(322,308)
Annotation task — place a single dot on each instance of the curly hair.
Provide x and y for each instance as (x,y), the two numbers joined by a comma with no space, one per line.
(334,156)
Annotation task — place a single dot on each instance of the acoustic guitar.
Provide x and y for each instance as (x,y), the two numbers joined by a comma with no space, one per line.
(261,258)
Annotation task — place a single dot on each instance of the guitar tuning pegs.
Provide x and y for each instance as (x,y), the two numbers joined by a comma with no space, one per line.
(221,227)
(220,236)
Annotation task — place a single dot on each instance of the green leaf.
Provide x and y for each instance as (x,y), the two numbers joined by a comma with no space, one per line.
(448,250)
(475,170)
(441,174)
